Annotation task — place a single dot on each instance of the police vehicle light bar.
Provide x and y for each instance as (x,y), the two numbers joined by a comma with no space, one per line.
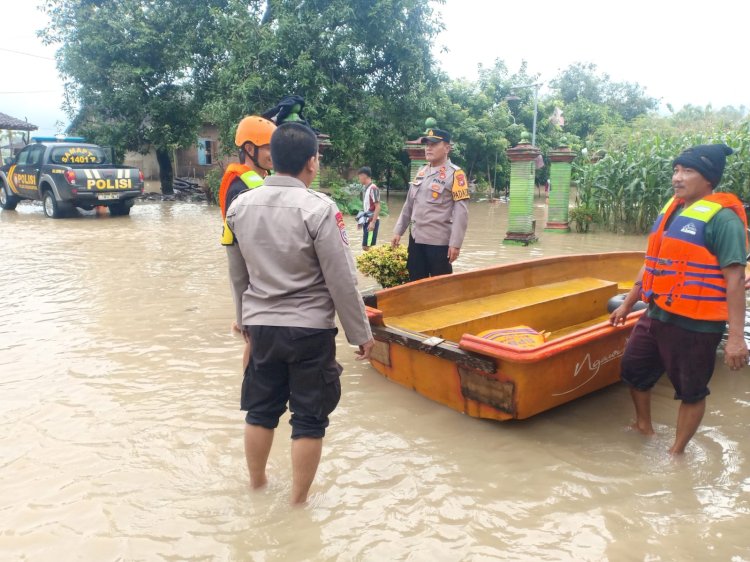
(58,138)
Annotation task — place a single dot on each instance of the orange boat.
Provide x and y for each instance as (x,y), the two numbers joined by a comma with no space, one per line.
(508,341)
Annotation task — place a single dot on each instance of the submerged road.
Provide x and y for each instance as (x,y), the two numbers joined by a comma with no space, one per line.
(122,438)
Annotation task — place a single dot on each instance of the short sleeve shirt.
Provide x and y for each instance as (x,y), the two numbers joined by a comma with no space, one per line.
(725,238)
(374,198)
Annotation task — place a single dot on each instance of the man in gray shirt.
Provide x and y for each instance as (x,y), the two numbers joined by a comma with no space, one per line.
(291,270)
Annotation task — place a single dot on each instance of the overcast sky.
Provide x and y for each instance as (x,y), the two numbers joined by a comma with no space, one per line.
(682,52)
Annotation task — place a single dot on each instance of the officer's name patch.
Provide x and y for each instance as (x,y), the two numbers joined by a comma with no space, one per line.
(460,189)
(342,228)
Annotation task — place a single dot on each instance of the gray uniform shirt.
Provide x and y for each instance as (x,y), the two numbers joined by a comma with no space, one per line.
(436,207)
(291,265)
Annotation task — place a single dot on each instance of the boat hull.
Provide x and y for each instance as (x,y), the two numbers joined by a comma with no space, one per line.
(487,379)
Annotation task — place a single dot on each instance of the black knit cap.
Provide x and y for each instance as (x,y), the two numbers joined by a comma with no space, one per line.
(706,159)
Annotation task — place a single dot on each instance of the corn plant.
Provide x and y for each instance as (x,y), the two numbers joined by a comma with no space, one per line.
(626,185)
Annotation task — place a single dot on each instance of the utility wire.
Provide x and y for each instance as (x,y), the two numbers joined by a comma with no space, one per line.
(26,54)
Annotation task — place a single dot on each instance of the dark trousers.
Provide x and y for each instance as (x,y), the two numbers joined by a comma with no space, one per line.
(686,356)
(427,260)
(294,365)
(370,238)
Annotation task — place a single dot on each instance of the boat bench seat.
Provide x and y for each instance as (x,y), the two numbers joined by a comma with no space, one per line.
(546,308)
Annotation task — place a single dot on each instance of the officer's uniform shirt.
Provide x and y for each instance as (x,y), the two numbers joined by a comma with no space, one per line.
(292,265)
(436,206)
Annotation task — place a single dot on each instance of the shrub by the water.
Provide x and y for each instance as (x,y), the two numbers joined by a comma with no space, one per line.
(583,218)
(348,197)
(213,182)
(385,264)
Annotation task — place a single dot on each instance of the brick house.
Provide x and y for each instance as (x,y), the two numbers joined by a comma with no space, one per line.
(193,161)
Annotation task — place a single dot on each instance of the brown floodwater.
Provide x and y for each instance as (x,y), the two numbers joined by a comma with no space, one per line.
(122,438)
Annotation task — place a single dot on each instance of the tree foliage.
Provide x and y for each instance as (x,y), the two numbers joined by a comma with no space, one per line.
(592,100)
(363,67)
(135,70)
(144,74)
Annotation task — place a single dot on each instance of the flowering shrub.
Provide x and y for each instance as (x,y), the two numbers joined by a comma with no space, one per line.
(385,264)
(583,217)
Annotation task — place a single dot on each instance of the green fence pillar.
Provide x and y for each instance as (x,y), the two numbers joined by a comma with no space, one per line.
(521,207)
(559,195)
(315,184)
(323,144)
(415,150)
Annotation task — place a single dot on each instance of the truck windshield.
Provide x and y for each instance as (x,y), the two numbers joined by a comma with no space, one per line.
(71,155)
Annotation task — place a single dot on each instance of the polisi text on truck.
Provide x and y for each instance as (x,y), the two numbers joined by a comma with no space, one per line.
(109,184)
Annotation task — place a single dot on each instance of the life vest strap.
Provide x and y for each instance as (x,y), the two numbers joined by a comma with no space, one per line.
(707,285)
(702,298)
(703,265)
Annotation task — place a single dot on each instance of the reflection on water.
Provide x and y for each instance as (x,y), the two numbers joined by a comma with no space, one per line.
(122,439)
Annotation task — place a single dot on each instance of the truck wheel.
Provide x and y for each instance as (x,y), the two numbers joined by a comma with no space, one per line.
(52,208)
(120,209)
(7,201)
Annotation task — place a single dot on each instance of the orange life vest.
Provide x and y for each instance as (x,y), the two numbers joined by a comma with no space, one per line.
(251,179)
(681,275)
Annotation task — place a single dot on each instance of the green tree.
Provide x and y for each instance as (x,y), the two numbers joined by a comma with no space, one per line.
(483,123)
(363,67)
(135,70)
(592,100)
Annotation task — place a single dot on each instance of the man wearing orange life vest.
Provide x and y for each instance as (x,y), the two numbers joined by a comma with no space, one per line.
(253,139)
(693,279)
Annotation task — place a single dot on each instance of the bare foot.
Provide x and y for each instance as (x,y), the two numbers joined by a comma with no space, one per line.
(643,429)
(258,484)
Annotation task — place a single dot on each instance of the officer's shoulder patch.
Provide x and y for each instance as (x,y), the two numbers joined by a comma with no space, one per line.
(342,227)
(460,188)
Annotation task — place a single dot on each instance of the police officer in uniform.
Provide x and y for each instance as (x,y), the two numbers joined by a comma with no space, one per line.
(436,209)
(291,270)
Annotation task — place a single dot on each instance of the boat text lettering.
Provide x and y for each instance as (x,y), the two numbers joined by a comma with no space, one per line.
(594,366)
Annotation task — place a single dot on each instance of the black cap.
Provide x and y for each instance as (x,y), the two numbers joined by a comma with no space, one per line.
(706,159)
(435,135)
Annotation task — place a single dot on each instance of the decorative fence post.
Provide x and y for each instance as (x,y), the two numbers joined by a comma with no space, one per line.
(559,195)
(415,150)
(521,206)
(323,144)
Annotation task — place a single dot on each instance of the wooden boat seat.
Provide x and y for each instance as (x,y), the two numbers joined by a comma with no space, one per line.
(546,308)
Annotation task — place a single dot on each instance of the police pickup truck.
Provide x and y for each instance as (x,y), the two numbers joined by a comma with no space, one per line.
(66,172)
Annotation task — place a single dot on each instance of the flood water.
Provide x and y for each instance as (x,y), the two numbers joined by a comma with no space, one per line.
(122,438)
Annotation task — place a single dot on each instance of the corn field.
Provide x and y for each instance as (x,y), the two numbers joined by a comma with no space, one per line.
(626,185)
